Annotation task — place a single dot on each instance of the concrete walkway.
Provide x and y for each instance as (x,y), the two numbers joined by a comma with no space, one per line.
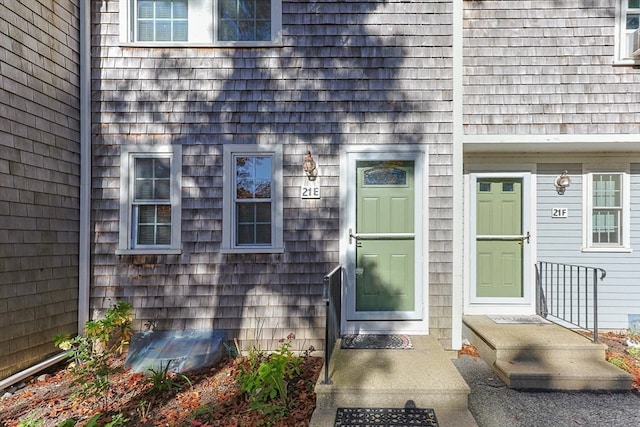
(390,378)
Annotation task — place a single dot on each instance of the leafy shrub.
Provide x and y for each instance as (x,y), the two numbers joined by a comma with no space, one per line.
(163,380)
(90,353)
(264,378)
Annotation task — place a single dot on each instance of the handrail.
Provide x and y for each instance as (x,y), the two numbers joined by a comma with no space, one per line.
(569,293)
(331,295)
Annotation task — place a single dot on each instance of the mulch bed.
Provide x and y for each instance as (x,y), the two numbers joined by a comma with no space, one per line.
(213,399)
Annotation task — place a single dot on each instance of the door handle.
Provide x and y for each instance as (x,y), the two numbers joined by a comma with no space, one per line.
(352,236)
(523,238)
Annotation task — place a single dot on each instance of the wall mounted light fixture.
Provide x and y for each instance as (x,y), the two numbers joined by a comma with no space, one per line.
(562,182)
(309,167)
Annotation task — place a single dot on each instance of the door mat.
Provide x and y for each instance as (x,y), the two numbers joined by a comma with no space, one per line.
(369,341)
(385,417)
(518,319)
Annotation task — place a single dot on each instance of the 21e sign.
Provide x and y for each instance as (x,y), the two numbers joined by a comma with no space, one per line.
(309,192)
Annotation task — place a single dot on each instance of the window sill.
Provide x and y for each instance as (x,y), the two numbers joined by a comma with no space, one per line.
(182,45)
(630,62)
(622,250)
(253,250)
(150,251)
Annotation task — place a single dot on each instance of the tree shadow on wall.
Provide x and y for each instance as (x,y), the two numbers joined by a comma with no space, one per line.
(345,74)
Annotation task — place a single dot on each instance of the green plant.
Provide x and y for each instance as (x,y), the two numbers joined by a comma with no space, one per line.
(117,420)
(634,351)
(31,420)
(91,353)
(620,363)
(264,378)
(163,380)
(69,422)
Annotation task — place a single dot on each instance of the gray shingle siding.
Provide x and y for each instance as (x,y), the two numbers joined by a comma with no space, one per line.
(545,67)
(39,178)
(356,72)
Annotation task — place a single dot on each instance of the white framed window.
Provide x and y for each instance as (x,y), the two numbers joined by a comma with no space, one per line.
(606,210)
(201,22)
(252,201)
(150,208)
(627,25)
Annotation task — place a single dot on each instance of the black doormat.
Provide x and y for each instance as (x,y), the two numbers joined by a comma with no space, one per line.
(392,342)
(385,417)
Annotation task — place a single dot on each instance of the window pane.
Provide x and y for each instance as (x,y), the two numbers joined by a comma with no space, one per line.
(163,20)
(145,235)
(163,31)
(152,179)
(253,223)
(144,168)
(633,21)
(246,9)
(164,235)
(180,31)
(144,190)
(263,234)
(162,167)
(253,177)
(244,20)
(145,31)
(634,4)
(146,214)
(263,9)
(162,190)
(164,214)
(180,9)
(606,226)
(145,9)
(606,190)
(154,225)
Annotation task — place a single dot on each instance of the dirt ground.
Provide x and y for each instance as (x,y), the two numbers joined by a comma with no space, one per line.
(212,399)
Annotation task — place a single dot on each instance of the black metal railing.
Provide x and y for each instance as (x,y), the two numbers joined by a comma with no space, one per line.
(332,297)
(569,293)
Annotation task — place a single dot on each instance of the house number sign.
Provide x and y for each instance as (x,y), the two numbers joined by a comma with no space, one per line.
(559,213)
(309,192)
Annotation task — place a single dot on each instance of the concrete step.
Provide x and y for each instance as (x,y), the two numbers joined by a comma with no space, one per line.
(543,356)
(562,375)
(390,378)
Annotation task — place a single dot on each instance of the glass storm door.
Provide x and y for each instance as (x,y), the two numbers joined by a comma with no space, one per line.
(499,238)
(384,237)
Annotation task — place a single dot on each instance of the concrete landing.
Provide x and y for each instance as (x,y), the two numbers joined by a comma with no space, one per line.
(391,378)
(543,356)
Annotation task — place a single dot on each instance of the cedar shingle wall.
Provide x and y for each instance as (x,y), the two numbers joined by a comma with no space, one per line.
(39,178)
(353,72)
(545,67)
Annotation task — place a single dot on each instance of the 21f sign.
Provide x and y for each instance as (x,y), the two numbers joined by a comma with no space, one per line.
(559,213)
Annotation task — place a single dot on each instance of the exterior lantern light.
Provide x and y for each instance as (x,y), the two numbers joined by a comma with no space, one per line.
(562,182)
(309,167)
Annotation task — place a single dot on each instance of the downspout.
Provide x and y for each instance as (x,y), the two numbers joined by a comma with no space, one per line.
(84,275)
(458,187)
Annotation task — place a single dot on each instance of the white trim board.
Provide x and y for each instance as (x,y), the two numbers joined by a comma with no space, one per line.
(552,143)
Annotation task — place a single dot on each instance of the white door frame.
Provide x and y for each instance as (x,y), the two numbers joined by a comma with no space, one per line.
(479,305)
(416,323)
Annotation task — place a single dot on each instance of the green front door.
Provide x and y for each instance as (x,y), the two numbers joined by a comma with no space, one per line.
(499,238)
(385,237)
